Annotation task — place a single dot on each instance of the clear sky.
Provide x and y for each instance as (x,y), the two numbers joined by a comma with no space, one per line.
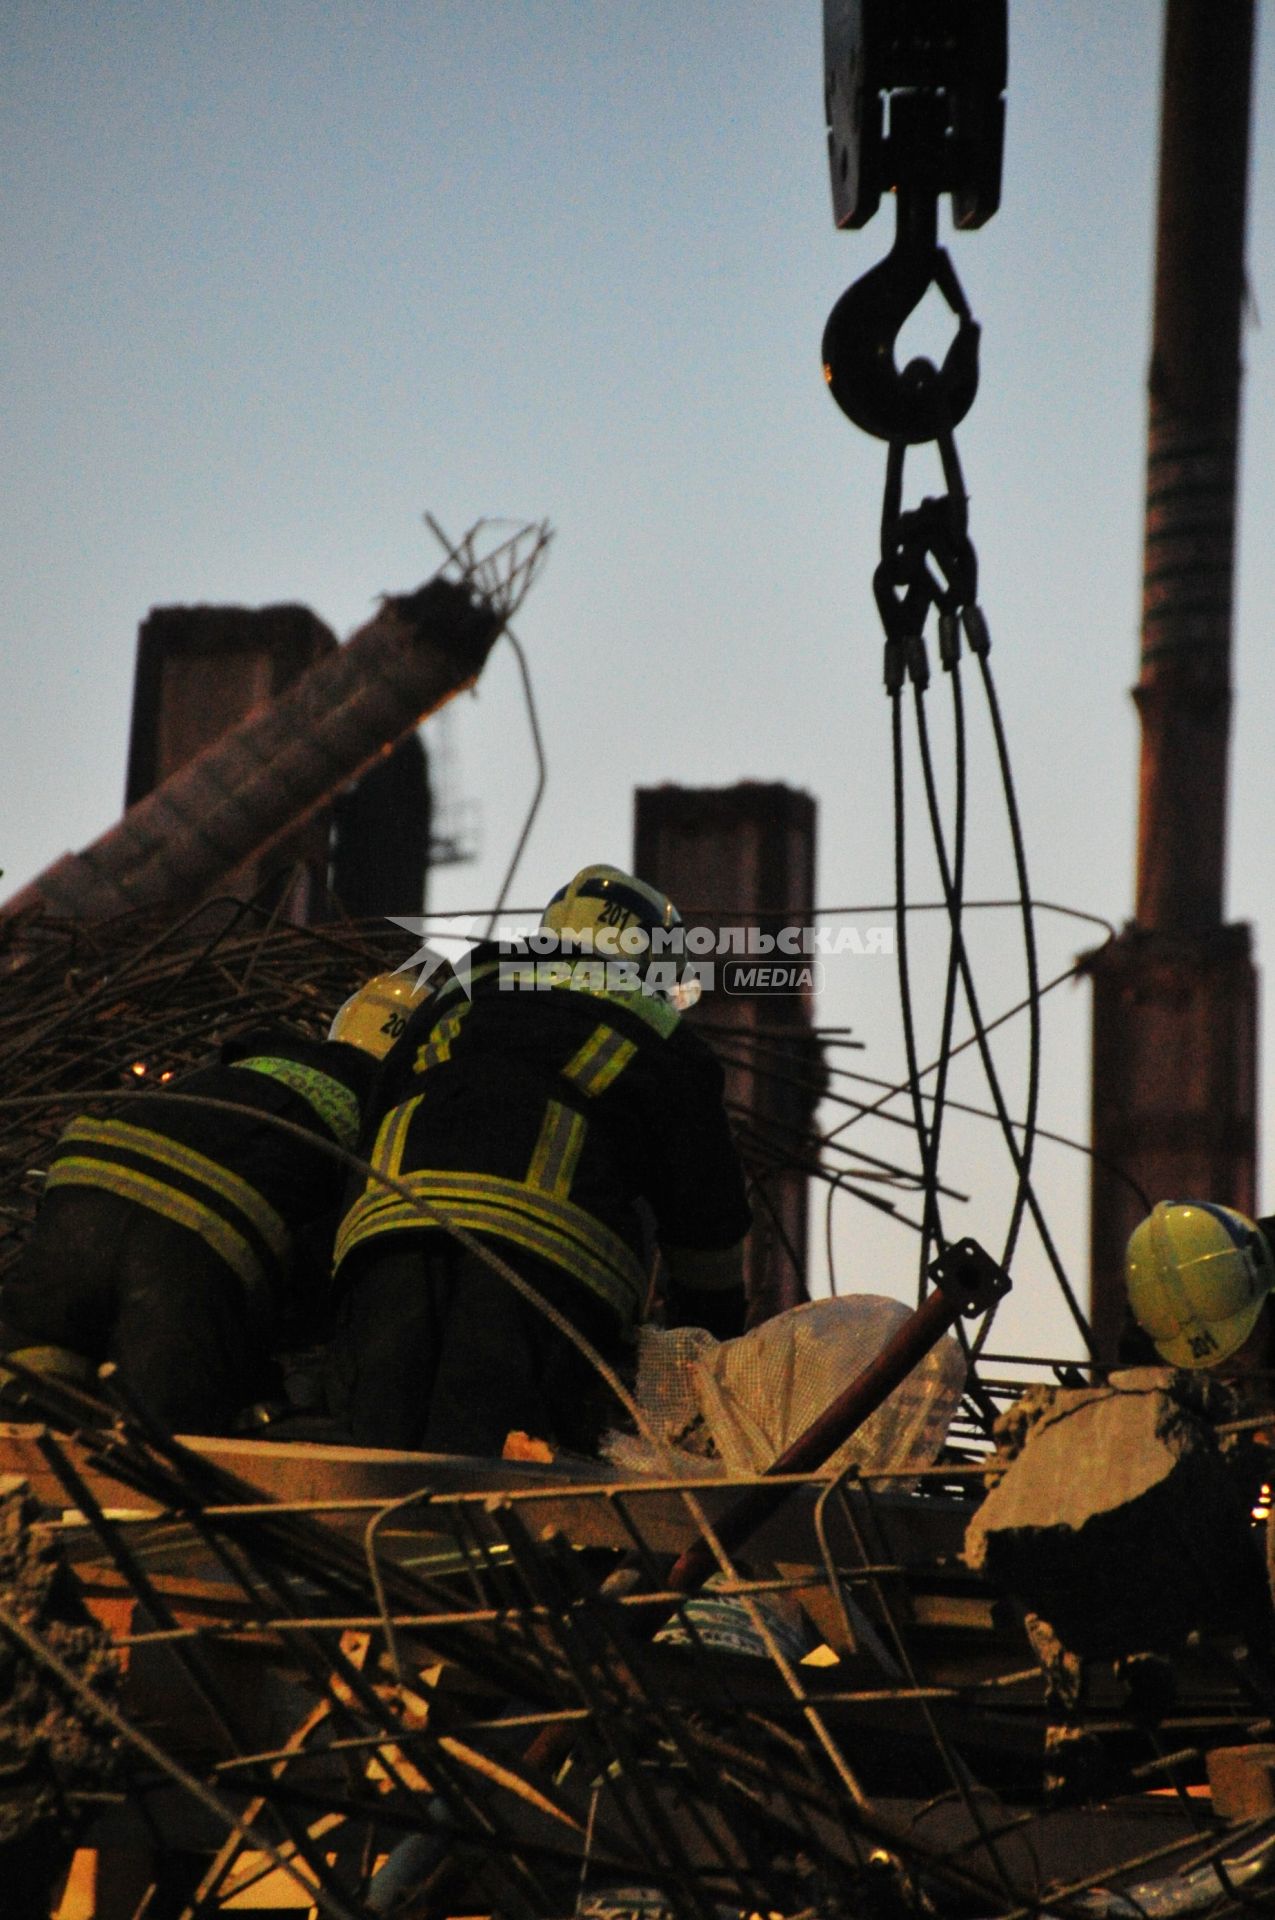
(281,276)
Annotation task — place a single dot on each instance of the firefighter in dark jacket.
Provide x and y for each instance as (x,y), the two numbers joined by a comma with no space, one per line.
(561,1113)
(167,1230)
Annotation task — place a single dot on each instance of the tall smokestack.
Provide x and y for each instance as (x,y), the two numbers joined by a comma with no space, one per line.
(744,856)
(1184,689)
(1175,997)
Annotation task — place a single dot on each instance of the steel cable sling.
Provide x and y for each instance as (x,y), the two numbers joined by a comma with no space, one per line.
(915,106)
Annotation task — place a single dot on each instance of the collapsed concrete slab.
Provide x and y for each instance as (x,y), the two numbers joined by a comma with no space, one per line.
(1119,1522)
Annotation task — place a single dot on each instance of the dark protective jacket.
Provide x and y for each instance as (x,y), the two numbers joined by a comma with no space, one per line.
(560,1120)
(242,1184)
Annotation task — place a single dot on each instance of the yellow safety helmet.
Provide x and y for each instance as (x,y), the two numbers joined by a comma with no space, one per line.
(602,898)
(1197,1277)
(374,1016)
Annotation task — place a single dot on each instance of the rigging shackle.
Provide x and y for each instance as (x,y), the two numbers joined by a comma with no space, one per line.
(920,402)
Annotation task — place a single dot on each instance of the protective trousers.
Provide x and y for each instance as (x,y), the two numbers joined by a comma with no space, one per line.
(435,1350)
(112,1281)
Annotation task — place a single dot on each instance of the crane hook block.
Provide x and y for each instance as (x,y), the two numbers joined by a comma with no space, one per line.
(919,402)
(915,98)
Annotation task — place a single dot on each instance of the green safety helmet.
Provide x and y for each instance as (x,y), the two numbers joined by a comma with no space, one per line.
(601,898)
(377,1012)
(1197,1277)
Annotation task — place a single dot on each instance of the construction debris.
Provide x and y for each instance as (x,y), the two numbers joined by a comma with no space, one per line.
(52,1749)
(1118,1522)
(376,1650)
(100,1012)
(1242,1781)
(342,1666)
(264,777)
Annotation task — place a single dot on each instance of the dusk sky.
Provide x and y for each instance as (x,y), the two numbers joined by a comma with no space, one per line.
(282,277)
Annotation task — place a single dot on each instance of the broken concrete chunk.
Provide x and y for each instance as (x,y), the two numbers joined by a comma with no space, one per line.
(1118,1522)
(49,1743)
(1242,1781)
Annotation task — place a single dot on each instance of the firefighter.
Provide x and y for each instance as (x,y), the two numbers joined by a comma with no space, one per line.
(562,1113)
(168,1234)
(1199,1279)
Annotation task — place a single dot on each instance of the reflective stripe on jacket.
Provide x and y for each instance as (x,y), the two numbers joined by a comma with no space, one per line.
(184,1186)
(225,1170)
(558,1120)
(335,1104)
(533,1213)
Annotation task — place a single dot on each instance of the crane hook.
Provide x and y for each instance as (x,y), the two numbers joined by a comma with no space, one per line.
(923,401)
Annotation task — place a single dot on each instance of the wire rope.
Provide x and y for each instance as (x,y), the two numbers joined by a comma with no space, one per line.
(901,952)
(954,933)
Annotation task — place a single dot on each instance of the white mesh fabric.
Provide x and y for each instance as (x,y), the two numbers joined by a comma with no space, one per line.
(753,1396)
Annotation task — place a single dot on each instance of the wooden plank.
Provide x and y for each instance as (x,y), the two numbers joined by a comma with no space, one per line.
(346,1485)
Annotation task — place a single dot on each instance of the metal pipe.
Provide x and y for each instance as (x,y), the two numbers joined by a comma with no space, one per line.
(909,1344)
